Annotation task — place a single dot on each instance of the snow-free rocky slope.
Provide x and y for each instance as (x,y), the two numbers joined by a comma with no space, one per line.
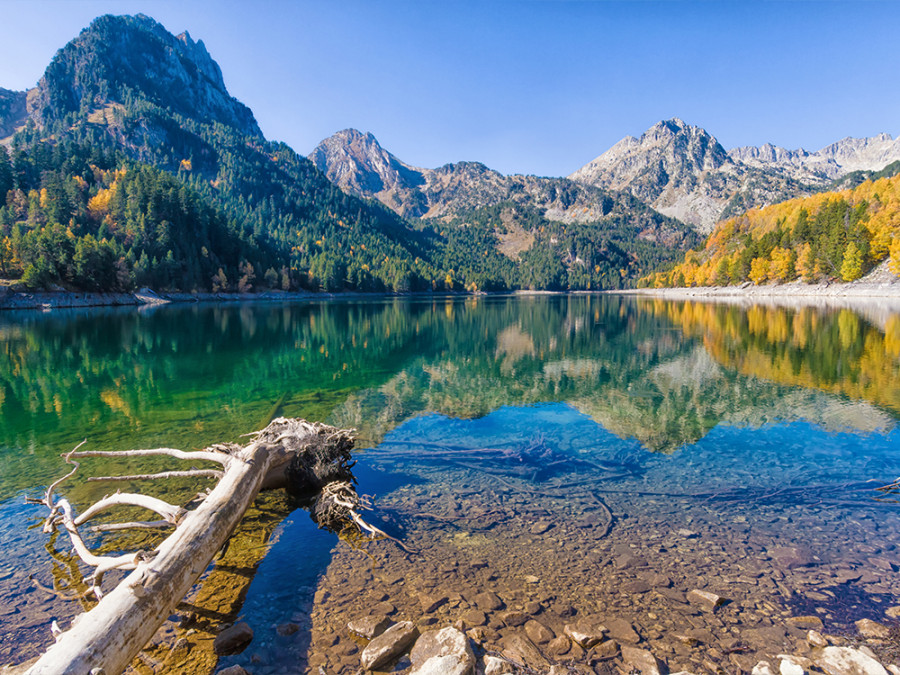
(684,172)
(359,165)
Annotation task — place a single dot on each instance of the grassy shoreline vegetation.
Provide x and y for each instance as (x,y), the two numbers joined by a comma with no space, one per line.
(827,237)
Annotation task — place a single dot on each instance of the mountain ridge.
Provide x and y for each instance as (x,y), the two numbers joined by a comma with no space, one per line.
(356,162)
(126,93)
(831,162)
(684,172)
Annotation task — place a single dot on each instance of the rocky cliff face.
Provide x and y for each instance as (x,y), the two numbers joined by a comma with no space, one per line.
(684,172)
(118,58)
(12,111)
(829,163)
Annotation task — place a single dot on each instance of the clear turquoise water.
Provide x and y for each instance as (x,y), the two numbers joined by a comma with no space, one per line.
(754,430)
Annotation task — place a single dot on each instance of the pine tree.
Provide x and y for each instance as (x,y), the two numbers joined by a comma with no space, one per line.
(7,182)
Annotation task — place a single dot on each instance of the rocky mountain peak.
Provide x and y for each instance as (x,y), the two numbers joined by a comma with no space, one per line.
(670,148)
(357,163)
(118,58)
(198,53)
(679,169)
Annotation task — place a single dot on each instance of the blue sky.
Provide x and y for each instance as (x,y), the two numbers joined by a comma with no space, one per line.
(526,87)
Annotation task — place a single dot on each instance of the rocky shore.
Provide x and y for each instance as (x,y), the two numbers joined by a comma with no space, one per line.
(880,287)
(402,647)
(15,299)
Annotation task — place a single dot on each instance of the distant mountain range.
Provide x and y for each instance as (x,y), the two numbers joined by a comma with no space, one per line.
(359,165)
(678,169)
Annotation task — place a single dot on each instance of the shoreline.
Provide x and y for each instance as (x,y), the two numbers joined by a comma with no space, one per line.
(883,293)
(790,290)
(49,300)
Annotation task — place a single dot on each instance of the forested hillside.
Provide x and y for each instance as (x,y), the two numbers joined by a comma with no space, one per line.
(79,216)
(828,236)
(520,247)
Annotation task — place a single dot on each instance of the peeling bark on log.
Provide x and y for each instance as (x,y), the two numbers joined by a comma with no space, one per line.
(108,636)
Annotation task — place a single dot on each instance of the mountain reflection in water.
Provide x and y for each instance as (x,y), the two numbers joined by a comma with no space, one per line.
(721,447)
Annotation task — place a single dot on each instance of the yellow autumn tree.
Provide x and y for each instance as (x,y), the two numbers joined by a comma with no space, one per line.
(781,266)
(894,264)
(851,268)
(806,262)
(98,205)
(759,270)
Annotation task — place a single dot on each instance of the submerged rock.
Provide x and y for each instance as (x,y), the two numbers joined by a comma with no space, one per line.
(622,631)
(538,632)
(585,633)
(606,649)
(872,629)
(811,622)
(705,600)
(558,646)
(488,601)
(389,645)
(540,527)
(514,618)
(369,627)
(522,650)
(233,670)
(816,639)
(287,629)
(640,660)
(442,652)
(432,602)
(233,640)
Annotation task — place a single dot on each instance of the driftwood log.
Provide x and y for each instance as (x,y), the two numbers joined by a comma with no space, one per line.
(312,460)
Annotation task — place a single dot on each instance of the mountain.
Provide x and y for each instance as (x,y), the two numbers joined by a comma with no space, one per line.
(127,93)
(830,163)
(823,237)
(457,192)
(558,233)
(358,164)
(137,167)
(684,172)
(12,111)
(118,58)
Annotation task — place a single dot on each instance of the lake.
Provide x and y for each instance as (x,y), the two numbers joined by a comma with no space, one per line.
(547,459)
